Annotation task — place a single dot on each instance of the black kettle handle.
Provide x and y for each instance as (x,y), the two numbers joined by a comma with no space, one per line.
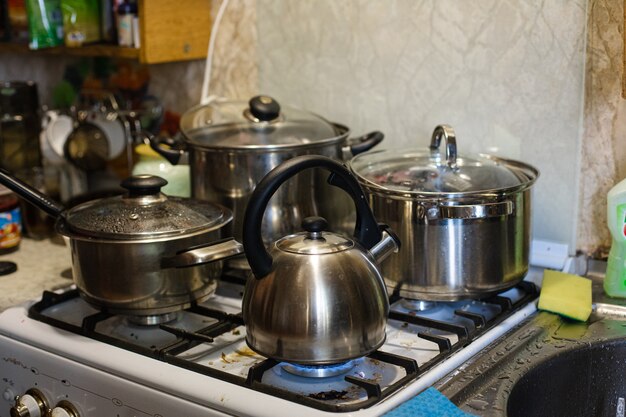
(366,230)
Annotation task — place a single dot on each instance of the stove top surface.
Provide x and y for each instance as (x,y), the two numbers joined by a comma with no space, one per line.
(201,357)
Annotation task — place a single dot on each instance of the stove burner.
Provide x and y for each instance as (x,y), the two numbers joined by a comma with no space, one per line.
(153,320)
(319,371)
(418,305)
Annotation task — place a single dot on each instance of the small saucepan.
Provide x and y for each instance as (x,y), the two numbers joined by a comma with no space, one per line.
(143,253)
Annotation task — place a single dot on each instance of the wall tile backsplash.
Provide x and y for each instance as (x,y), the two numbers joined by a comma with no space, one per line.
(507,75)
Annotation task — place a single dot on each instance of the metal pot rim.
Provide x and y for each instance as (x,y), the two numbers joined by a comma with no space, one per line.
(342,130)
(530,172)
(64,229)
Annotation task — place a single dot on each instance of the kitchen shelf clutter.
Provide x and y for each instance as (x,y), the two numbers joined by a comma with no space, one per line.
(168,31)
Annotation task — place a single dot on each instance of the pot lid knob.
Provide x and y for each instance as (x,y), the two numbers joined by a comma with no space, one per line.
(446,133)
(264,108)
(314,226)
(142,185)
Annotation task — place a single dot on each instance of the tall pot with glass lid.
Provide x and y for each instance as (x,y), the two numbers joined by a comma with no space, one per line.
(233,144)
(464,222)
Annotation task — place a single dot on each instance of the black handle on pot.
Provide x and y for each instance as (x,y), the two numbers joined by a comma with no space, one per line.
(158,144)
(31,194)
(366,142)
(366,230)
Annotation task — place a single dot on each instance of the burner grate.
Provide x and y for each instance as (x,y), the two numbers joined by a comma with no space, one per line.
(184,340)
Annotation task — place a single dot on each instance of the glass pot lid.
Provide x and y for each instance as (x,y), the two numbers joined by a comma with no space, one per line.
(145,213)
(258,124)
(435,171)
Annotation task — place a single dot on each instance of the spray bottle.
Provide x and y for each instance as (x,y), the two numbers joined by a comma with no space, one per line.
(615,280)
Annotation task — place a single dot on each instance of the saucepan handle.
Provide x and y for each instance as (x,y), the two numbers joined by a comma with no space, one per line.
(366,230)
(30,194)
(216,251)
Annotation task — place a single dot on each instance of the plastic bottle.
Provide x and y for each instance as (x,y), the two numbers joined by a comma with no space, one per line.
(615,280)
(125,15)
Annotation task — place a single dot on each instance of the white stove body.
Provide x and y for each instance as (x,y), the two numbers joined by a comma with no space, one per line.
(104,380)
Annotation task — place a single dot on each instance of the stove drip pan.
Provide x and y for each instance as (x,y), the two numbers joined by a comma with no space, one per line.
(319,371)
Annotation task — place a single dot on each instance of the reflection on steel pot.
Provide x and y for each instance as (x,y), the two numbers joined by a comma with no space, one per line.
(464,222)
(233,144)
(142,254)
(317,297)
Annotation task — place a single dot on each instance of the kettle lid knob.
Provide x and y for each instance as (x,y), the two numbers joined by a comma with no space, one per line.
(314,225)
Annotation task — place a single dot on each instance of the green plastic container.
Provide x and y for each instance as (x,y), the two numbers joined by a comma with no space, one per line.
(615,280)
(45,23)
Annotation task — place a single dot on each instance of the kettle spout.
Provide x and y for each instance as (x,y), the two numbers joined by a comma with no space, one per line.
(390,243)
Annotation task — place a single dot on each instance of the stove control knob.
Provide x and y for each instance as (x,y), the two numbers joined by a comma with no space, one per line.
(64,409)
(32,404)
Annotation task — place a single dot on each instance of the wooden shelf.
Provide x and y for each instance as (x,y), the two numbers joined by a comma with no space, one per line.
(85,50)
(169,31)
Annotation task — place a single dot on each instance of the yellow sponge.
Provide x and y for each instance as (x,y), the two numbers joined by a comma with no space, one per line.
(566,294)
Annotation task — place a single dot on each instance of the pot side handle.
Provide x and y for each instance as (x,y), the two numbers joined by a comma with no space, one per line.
(476,211)
(164,146)
(216,251)
(366,230)
(365,143)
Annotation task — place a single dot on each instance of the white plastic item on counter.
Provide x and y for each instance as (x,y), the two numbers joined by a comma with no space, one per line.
(177,176)
(615,280)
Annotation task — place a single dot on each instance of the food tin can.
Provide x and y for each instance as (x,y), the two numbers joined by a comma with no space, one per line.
(10,222)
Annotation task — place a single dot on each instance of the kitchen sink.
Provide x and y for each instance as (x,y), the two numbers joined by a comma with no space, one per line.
(550,366)
(587,381)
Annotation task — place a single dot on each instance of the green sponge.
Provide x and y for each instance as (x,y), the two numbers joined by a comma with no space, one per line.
(566,294)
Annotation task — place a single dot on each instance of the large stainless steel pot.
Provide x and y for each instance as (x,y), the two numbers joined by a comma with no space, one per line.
(464,223)
(233,144)
(141,254)
(316,297)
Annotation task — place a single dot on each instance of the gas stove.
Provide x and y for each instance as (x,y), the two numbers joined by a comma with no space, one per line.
(85,362)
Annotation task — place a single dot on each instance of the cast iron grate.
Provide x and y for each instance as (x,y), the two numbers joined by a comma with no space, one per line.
(186,340)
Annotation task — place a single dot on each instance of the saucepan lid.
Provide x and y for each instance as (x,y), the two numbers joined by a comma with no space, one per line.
(433,171)
(144,213)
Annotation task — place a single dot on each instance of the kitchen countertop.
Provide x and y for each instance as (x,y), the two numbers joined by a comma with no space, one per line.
(506,379)
(41,265)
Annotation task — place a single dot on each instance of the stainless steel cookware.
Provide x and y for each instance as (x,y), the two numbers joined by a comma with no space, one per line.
(464,222)
(233,144)
(317,297)
(142,254)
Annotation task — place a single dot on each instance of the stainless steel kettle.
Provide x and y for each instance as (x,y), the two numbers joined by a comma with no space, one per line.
(317,297)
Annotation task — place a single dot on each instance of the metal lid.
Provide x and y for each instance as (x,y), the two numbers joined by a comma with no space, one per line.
(314,241)
(259,124)
(429,172)
(145,213)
